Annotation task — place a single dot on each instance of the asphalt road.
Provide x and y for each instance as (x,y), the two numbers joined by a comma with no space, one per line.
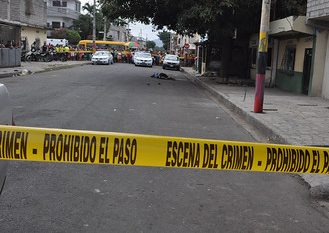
(42,197)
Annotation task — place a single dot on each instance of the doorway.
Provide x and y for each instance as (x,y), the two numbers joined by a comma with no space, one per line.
(307,70)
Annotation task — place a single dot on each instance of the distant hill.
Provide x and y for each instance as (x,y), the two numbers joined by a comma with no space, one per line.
(158,42)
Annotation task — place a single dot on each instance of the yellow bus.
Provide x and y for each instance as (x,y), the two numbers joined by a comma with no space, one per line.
(101,44)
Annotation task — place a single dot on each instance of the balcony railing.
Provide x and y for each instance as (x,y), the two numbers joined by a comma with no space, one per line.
(62,12)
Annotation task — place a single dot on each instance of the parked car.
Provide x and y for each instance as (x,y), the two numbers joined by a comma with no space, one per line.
(171,62)
(102,57)
(143,59)
(6,118)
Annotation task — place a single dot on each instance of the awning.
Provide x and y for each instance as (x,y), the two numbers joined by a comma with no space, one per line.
(292,26)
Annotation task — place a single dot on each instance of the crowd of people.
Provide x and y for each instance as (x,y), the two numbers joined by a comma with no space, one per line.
(62,52)
(9,44)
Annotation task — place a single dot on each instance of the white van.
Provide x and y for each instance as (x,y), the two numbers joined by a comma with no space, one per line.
(55,42)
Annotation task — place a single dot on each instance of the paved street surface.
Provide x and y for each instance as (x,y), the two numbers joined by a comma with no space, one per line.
(41,197)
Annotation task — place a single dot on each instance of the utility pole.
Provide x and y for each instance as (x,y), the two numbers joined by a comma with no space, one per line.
(105,22)
(262,56)
(8,9)
(94,27)
(128,33)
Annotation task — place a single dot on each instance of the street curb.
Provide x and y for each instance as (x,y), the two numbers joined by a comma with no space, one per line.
(267,131)
(7,75)
(318,191)
(59,68)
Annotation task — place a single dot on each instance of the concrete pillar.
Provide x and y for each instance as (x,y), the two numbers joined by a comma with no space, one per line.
(198,60)
(274,61)
(204,59)
(319,60)
(8,10)
(325,84)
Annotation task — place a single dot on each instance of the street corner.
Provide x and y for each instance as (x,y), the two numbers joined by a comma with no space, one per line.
(320,192)
(318,185)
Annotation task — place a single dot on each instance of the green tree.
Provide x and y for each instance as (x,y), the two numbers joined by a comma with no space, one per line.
(90,9)
(84,26)
(189,16)
(159,49)
(150,44)
(165,38)
(215,18)
(71,35)
(282,9)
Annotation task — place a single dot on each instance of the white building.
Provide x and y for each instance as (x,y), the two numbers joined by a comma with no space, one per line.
(183,44)
(62,13)
(188,42)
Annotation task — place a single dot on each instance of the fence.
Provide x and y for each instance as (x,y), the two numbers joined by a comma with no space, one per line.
(10,57)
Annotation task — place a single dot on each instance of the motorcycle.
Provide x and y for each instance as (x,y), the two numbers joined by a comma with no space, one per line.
(23,55)
(34,55)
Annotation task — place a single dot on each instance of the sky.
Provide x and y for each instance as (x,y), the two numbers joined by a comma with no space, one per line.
(136,28)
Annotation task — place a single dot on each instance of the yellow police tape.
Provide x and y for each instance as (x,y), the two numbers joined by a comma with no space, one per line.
(88,147)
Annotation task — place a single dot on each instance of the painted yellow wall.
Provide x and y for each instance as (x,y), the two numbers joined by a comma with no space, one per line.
(325,84)
(300,44)
(32,33)
(303,43)
(319,63)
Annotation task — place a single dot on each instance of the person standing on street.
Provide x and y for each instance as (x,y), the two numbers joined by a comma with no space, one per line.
(44,48)
(115,57)
(33,47)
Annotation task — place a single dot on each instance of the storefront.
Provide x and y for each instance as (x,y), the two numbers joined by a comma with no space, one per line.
(293,53)
(10,46)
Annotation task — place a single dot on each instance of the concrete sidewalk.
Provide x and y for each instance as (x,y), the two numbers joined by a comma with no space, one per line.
(38,67)
(288,118)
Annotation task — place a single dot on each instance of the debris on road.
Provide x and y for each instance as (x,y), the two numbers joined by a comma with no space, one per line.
(162,76)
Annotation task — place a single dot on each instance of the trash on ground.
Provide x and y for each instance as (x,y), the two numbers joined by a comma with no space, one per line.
(162,76)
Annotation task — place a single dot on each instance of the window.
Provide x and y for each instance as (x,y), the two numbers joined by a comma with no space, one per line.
(288,61)
(269,57)
(253,56)
(56,3)
(63,25)
(77,7)
(64,4)
(28,7)
(56,24)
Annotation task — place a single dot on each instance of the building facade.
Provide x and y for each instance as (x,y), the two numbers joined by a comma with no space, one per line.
(21,24)
(182,44)
(62,13)
(289,57)
(318,17)
(117,33)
